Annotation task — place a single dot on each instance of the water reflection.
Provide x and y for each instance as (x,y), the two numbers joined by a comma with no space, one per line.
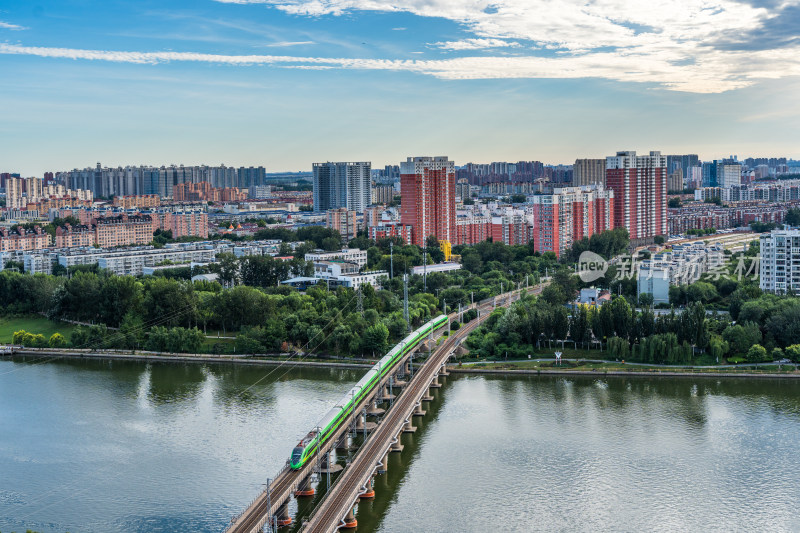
(581,453)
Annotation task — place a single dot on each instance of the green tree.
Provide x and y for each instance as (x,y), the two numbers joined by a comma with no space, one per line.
(375,339)
(57,340)
(742,336)
(756,354)
(132,330)
(793,353)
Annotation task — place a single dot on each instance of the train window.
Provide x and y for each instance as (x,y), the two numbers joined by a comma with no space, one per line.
(297,453)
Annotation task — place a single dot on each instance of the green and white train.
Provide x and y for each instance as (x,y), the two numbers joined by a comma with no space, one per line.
(334,418)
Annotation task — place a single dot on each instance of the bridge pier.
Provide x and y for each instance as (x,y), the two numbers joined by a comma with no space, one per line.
(386,395)
(374,410)
(383,466)
(369,491)
(408,428)
(350,521)
(443,371)
(283,518)
(343,443)
(325,466)
(359,422)
(399,383)
(418,410)
(435,383)
(305,488)
(396,445)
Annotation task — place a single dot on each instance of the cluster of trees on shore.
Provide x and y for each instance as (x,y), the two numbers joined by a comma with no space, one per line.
(762,327)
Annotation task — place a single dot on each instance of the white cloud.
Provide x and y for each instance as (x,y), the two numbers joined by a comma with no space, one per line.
(710,77)
(282,44)
(475,44)
(9,26)
(669,42)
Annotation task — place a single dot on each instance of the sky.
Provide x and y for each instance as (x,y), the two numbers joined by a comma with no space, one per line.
(284,83)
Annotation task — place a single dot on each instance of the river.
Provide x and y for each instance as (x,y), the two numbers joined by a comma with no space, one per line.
(89,446)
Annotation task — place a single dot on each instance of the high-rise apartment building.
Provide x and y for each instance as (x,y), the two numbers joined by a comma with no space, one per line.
(640,193)
(779,266)
(682,163)
(14,189)
(342,220)
(729,174)
(463,189)
(569,214)
(343,184)
(427,186)
(589,172)
(675,181)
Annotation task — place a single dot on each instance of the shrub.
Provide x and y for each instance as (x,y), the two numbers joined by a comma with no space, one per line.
(756,354)
(57,340)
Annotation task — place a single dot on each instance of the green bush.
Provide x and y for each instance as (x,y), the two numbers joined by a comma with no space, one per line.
(756,354)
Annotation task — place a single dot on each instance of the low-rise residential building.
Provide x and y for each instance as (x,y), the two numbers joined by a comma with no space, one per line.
(140,201)
(350,255)
(23,239)
(346,274)
(390,229)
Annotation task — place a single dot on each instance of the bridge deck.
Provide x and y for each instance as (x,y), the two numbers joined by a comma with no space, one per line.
(345,491)
(328,516)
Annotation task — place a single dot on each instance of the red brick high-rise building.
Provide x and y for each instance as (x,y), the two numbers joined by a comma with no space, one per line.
(568,215)
(640,193)
(428,205)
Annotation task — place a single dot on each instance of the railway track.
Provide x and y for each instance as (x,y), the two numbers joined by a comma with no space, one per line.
(352,482)
(347,488)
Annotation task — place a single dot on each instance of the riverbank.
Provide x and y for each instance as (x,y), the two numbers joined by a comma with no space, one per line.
(43,354)
(722,373)
(509,368)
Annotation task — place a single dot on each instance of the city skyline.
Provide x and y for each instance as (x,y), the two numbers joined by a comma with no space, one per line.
(285,84)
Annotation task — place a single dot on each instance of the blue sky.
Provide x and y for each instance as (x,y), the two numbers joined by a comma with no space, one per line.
(283,83)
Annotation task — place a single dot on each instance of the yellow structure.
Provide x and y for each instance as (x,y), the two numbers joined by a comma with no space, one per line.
(446,249)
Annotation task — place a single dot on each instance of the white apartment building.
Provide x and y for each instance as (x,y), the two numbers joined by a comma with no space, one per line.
(684,265)
(779,267)
(350,255)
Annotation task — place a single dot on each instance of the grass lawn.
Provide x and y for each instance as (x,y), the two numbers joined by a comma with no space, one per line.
(33,324)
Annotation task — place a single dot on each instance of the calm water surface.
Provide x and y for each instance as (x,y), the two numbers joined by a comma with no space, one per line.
(582,454)
(127,447)
(89,446)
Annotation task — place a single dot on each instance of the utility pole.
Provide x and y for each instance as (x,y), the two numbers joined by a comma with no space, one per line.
(405,301)
(425,270)
(360,301)
(391,259)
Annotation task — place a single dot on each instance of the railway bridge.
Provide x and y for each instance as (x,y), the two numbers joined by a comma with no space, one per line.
(407,388)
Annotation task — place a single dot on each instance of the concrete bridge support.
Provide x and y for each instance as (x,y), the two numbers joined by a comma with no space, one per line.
(398,382)
(359,421)
(350,521)
(343,443)
(396,445)
(408,428)
(374,410)
(386,395)
(383,466)
(283,518)
(369,491)
(305,488)
(418,410)
(435,383)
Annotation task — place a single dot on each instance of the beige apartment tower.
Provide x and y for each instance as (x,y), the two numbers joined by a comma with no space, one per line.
(589,172)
